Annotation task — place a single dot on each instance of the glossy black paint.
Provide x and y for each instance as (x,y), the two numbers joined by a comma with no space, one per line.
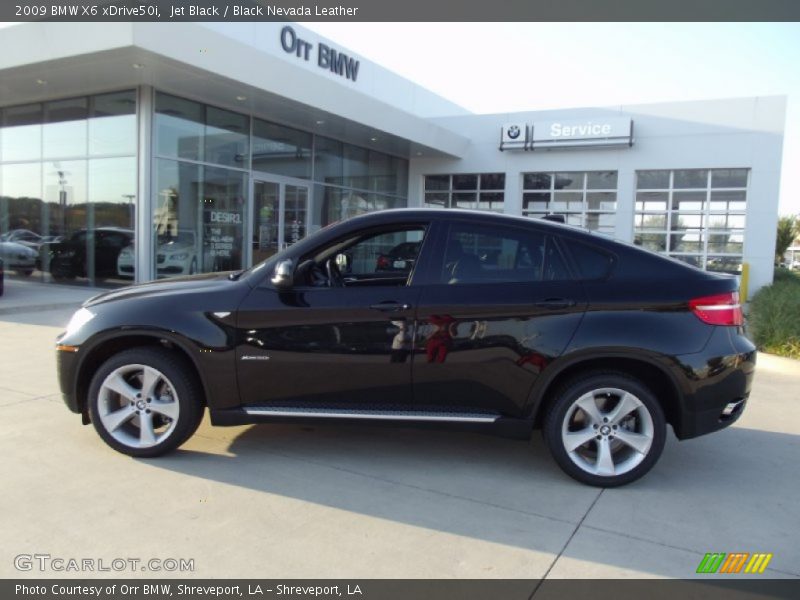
(481,346)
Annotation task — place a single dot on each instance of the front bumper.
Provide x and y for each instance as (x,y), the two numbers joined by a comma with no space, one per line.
(66,366)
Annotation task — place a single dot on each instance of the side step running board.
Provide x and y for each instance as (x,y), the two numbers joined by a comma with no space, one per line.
(376,414)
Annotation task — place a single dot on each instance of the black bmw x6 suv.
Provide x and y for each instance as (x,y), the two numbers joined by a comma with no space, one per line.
(503,324)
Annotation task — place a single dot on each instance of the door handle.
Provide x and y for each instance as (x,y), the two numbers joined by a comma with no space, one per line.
(390,306)
(554,303)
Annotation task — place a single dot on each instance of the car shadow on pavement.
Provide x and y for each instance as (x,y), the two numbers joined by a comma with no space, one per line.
(724,492)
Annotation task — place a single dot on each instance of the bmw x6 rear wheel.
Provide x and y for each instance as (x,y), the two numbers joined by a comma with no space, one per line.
(605,428)
(145,402)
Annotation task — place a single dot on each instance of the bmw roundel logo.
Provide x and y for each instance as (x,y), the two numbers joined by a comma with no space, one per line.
(513,132)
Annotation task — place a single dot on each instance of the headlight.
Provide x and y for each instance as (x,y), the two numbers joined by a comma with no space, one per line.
(78,320)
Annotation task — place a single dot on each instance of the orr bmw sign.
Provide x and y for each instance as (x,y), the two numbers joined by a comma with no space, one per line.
(326,57)
(574,133)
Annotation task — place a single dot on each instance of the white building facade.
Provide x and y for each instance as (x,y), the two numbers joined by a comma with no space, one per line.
(166,149)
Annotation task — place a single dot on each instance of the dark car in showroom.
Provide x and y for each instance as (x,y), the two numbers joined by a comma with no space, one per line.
(505,325)
(69,258)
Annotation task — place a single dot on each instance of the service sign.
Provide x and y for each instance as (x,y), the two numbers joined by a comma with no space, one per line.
(608,131)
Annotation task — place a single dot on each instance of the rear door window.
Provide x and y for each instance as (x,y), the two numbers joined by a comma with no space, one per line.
(592,263)
(490,254)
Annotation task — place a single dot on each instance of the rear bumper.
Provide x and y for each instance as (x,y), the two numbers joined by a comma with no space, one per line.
(718,382)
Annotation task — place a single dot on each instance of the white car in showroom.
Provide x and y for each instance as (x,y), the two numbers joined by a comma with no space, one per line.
(176,255)
(18,257)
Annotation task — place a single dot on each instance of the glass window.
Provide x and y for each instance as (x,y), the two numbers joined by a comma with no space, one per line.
(465,182)
(570,197)
(74,212)
(489,254)
(224,202)
(536,181)
(605,201)
(493,181)
(387,254)
(177,219)
(690,178)
(688,201)
(696,223)
(462,191)
(733,201)
(112,123)
(535,202)
(729,178)
(592,262)
(328,160)
(652,201)
(568,181)
(21,205)
(22,133)
(281,150)
(601,180)
(356,167)
(226,138)
(179,127)
(437,182)
(463,200)
(65,130)
(112,191)
(492,201)
(652,180)
(656,242)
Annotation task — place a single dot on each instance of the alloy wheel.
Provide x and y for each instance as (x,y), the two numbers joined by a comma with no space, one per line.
(607,432)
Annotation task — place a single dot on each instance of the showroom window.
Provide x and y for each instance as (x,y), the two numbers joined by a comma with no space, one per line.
(352,180)
(585,199)
(694,215)
(68,189)
(481,191)
(201,183)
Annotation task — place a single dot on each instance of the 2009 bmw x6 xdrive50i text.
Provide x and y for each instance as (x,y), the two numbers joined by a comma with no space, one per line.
(502,324)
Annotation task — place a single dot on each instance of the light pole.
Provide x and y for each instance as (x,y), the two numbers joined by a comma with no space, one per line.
(131,209)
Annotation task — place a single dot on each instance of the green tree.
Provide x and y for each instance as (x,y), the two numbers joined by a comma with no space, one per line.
(788,230)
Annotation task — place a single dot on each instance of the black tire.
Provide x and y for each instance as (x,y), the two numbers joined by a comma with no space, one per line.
(26,272)
(565,417)
(176,373)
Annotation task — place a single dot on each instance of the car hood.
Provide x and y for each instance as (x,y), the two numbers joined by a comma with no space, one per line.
(205,282)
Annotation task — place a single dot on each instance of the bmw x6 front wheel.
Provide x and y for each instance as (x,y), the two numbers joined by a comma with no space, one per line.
(145,402)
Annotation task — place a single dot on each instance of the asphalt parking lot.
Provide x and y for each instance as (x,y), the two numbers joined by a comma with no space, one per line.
(338,501)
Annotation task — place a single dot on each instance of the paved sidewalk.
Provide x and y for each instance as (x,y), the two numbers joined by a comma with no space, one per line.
(366,501)
(28,295)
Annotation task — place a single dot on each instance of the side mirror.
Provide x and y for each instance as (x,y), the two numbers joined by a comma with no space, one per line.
(283,277)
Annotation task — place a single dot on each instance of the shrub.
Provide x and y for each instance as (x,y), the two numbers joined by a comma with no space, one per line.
(775,315)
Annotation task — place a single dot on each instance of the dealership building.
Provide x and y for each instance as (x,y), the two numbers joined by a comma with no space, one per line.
(159,149)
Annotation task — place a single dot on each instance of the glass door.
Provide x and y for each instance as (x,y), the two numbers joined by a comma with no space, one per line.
(266,212)
(280,215)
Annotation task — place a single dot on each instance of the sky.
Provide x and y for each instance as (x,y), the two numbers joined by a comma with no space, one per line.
(511,67)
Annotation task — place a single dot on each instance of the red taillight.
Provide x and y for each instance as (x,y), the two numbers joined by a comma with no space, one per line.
(383,262)
(720,309)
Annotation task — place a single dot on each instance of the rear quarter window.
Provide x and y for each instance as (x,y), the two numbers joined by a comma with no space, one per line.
(593,263)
